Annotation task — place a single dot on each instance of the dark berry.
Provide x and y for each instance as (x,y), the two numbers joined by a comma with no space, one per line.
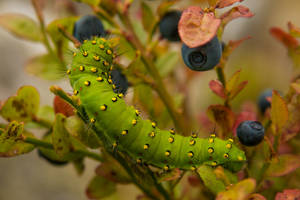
(168,25)
(87,27)
(250,133)
(204,57)
(120,81)
(262,101)
(51,160)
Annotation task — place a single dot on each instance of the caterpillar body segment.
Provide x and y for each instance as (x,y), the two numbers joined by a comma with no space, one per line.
(141,139)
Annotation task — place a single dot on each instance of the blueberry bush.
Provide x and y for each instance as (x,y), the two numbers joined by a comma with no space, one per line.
(158,50)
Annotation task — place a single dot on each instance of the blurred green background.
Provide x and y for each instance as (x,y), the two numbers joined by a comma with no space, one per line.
(263,60)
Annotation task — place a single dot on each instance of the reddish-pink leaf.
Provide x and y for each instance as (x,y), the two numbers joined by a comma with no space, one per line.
(232,45)
(222,116)
(217,87)
(285,38)
(294,31)
(288,194)
(236,12)
(226,3)
(283,165)
(61,106)
(197,27)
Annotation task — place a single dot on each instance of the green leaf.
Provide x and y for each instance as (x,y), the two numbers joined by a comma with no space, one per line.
(99,188)
(46,113)
(79,130)
(239,191)
(46,67)
(60,136)
(53,29)
(283,165)
(210,179)
(148,18)
(279,112)
(11,143)
(167,62)
(126,49)
(22,107)
(21,26)
(144,96)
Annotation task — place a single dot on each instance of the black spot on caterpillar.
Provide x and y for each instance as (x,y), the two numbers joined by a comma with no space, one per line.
(127,131)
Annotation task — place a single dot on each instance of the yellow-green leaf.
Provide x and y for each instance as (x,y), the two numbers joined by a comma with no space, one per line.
(283,165)
(22,107)
(21,26)
(239,191)
(11,143)
(46,67)
(148,19)
(279,112)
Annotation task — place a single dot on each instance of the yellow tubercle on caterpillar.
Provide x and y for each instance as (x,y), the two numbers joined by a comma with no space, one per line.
(94,42)
(109,52)
(114,145)
(109,81)
(134,122)
(167,153)
(193,168)
(68,71)
(120,95)
(81,68)
(152,134)
(101,46)
(96,58)
(139,161)
(230,140)
(213,135)
(103,107)
(75,92)
(211,140)
(74,54)
(137,112)
(102,39)
(146,146)
(210,150)
(240,158)
(87,83)
(125,132)
(214,163)
(114,99)
(171,139)
(192,142)
(85,53)
(92,120)
(226,155)
(190,154)
(153,124)
(172,131)
(94,70)
(99,79)
(166,167)
(194,135)
(114,86)
(105,63)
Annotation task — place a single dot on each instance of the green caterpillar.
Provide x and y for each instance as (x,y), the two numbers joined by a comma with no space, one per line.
(126,130)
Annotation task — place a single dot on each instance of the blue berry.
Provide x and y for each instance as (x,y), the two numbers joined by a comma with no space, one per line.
(87,27)
(204,57)
(50,160)
(262,102)
(250,133)
(168,25)
(120,81)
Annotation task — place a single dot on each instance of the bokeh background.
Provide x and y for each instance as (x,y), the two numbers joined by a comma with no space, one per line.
(263,60)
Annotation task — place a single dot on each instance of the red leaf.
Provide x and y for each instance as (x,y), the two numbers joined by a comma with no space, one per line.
(289,194)
(285,38)
(197,27)
(60,106)
(217,87)
(256,197)
(233,44)
(236,12)
(226,3)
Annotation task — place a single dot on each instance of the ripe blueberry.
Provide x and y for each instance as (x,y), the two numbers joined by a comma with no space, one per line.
(262,102)
(51,160)
(120,81)
(250,133)
(204,57)
(168,25)
(87,27)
